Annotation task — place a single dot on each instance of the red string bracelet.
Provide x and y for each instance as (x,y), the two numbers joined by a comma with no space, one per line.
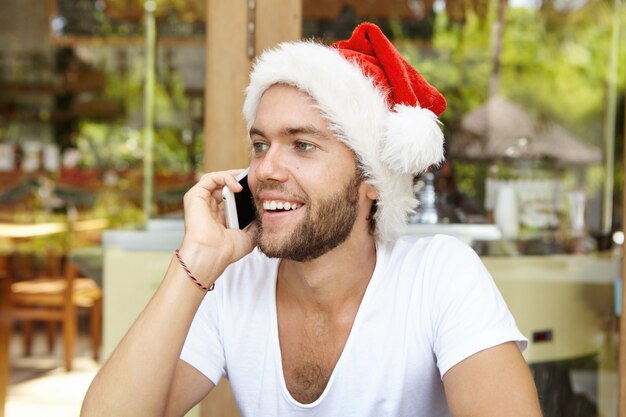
(190,275)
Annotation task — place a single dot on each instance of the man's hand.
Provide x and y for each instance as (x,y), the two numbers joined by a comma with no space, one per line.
(205,230)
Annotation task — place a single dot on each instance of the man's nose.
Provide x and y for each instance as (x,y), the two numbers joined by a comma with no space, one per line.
(271,166)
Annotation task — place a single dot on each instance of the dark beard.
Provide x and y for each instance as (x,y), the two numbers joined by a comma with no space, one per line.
(320,231)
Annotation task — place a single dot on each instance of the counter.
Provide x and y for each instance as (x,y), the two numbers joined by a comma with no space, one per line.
(570,297)
(564,305)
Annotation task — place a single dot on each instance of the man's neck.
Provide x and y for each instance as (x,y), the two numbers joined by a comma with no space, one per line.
(332,282)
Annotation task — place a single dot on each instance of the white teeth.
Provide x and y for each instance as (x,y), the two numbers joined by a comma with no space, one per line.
(279,205)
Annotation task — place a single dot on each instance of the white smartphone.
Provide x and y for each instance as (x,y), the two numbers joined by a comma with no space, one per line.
(239,207)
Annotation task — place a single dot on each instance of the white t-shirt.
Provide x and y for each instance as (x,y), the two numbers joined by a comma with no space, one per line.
(430,304)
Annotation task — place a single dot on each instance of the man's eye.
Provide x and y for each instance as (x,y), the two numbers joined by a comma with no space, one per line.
(304,146)
(258,147)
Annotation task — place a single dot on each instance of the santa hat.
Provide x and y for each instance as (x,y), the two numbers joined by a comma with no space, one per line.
(375,102)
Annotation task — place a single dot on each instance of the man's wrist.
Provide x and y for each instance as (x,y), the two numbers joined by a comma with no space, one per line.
(205,264)
(191,275)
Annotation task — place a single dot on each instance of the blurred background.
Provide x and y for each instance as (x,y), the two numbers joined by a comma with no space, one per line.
(109,110)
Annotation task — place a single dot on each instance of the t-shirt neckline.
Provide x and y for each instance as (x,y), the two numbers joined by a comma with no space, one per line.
(371,286)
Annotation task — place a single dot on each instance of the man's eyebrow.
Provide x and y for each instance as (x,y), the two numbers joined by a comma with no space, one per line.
(257,132)
(293,131)
(303,130)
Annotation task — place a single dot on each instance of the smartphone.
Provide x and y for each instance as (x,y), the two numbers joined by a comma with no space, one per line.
(239,207)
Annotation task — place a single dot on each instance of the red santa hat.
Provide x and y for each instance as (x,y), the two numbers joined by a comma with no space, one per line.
(375,102)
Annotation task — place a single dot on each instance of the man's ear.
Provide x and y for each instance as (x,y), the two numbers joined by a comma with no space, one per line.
(371,192)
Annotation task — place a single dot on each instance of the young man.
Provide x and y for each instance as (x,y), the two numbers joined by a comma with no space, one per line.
(331,314)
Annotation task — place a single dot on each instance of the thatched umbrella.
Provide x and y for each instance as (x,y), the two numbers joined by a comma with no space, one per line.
(501,129)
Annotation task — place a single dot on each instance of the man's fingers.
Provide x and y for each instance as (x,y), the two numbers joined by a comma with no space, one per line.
(210,185)
(217,195)
(217,180)
(245,239)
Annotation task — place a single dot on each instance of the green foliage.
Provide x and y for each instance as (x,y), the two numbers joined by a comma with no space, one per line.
(470,178)
(559,72)
(458,64)
(554,64)
(120,212)
(119,144)
(116,148)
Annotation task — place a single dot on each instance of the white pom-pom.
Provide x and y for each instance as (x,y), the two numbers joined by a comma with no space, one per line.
(413,139)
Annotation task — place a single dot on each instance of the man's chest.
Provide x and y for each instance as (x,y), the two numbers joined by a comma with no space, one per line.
(368,376)
(310,352)
(382,365)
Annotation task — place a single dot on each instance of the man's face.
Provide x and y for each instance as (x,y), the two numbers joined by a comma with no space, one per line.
(325,226)
(306,185)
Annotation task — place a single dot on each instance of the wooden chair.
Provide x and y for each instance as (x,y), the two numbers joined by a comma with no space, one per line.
(54,297)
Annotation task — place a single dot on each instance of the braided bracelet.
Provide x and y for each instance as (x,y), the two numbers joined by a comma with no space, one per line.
(190,275)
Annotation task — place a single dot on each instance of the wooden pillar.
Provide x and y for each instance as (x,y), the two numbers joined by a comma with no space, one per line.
(228,66)
(277,21)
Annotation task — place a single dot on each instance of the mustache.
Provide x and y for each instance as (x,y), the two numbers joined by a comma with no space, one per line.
(279,188)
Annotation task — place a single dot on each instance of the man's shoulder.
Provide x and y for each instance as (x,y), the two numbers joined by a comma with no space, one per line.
(425,254)
(411,245)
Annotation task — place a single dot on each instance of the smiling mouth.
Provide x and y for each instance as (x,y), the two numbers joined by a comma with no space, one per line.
(276,205)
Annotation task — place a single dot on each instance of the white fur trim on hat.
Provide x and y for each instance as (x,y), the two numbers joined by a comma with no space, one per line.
(413,139)
(391,146)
